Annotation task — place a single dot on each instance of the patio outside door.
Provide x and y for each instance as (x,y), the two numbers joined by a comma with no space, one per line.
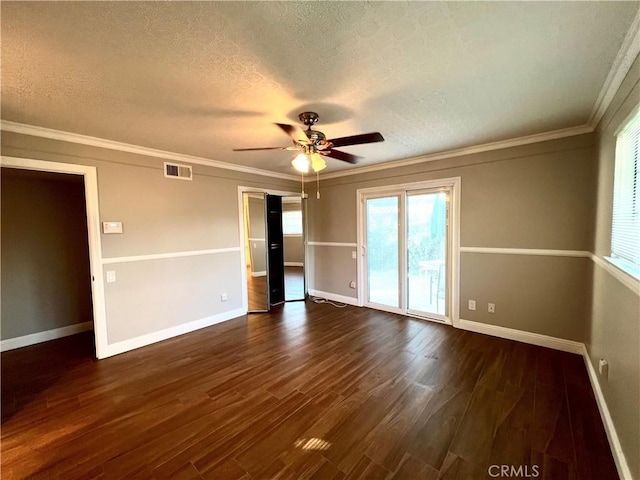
(407,252)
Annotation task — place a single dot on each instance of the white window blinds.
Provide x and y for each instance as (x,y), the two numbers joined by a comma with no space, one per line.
(625,235)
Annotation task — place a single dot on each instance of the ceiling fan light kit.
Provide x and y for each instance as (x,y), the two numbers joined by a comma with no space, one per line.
(301,163)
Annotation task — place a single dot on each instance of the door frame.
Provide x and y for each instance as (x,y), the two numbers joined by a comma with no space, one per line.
(454,183)
(92,208)
(241,232)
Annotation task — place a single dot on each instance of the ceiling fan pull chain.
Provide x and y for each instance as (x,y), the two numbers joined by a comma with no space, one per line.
(318,185)
(302,182)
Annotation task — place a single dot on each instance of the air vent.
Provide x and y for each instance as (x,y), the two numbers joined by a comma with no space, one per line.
(174,170)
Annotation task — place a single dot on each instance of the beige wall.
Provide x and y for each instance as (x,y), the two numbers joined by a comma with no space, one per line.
(293,249)
(45,255)
(159,216)
(537,196)
(614,329)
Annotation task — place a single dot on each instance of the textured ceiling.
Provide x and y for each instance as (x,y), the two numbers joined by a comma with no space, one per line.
(201,78)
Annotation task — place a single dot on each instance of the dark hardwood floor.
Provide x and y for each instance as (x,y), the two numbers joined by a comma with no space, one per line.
(310,392)
(257,287)
(257,292)
(294,283)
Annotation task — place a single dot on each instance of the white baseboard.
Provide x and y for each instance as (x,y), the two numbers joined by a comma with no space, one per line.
(144,340)
(32,339)
(334,297)
(612,435)
(521,336)
(293,264)
(259,274)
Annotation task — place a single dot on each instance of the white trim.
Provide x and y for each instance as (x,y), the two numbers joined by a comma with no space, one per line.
(167,333)
(627,54)
(459,152)
(628,281)
(625,123)
(261,273)
(421,185)
(257,239)
(93,234)
(33,130)
(334,297)
(609,426)
(39,337)
(294,264)
(159,256)
(332,244)
(42,132)
(522,336)
(527,251)
(625,267)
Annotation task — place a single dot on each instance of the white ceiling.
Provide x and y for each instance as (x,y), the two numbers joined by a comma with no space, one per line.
(202,78)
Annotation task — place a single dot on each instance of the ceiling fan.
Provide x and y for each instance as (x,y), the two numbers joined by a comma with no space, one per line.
(313,144)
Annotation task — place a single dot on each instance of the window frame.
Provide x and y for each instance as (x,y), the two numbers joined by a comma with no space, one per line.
(628,267)
(285,224)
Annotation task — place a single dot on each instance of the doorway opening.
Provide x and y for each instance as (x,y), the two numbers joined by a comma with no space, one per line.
(409,243)
(76,263)
(273,253)
(46,283)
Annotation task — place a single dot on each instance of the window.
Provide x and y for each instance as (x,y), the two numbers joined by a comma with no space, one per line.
(292,222)
(625,232)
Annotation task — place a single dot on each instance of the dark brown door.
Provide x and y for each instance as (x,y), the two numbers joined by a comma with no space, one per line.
(275,250)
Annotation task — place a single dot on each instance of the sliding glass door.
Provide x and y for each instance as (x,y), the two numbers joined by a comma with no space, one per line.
(406,250)
(427,253)
(383,258)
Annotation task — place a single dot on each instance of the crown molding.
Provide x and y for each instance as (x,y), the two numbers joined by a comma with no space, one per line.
(486,147)
(25,129)
(627,54)
(50,133)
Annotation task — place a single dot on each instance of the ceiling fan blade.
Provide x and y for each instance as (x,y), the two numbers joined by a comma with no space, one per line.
(259,148)
(344,156)
(296,133)
(357,139)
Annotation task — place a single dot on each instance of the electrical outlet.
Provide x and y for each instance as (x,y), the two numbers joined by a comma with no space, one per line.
(492,308)
(354,254)
(352,284)
(111,276)
(603,368)
(223,297)
(472,304)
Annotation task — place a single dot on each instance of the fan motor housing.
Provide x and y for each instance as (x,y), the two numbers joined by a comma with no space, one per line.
(309,118)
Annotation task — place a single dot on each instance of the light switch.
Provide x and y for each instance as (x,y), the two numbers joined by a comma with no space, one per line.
(111,276)
(354,254)
(111,227)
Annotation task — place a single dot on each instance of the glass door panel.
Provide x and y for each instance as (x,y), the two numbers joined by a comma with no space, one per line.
(427,253)
(383,259)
